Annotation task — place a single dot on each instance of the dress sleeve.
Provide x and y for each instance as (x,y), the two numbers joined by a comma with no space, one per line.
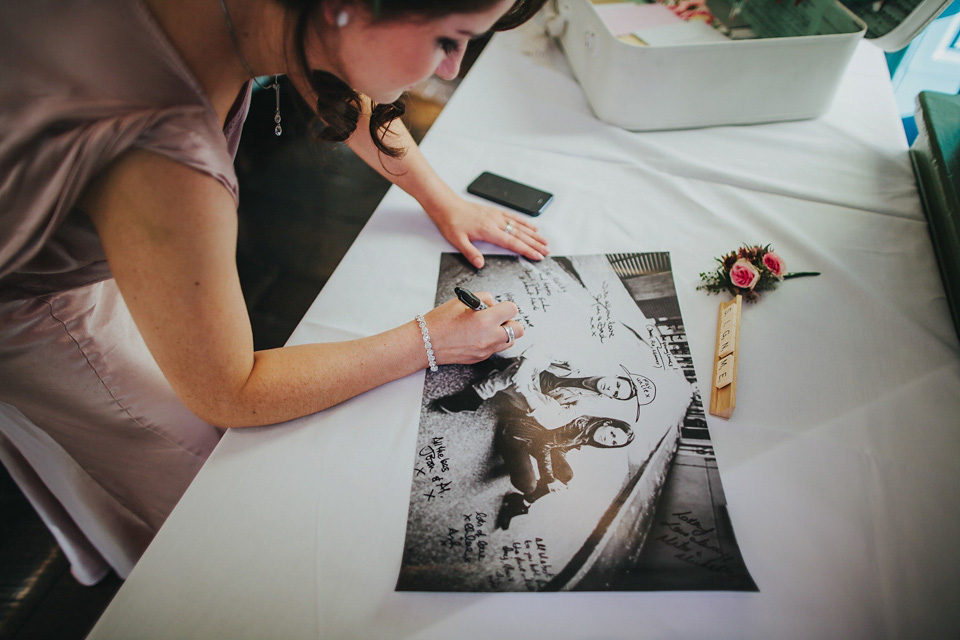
(51,150)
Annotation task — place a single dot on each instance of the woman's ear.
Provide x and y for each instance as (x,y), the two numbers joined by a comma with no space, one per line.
(334,12)
(339,13)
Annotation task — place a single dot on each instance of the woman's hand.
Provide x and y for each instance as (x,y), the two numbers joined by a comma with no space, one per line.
(463,223)
(463,336)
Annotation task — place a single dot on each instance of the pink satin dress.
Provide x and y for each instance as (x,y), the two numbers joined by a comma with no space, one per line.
(89,428)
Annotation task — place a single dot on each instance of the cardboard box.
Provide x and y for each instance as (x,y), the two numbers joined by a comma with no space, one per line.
(775,60)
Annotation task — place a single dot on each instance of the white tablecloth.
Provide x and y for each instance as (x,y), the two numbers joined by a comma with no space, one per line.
(840,464)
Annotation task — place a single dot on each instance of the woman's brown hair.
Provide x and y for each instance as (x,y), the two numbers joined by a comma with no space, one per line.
(338,106)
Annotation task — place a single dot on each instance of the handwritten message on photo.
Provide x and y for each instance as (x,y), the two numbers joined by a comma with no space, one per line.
(578,459)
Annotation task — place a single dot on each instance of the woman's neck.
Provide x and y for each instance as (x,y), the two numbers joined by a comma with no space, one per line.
(199,31)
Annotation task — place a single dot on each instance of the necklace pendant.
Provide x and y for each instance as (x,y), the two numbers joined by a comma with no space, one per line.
(277,130)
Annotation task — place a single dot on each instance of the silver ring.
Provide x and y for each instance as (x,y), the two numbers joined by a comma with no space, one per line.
(510,336)
(509,228)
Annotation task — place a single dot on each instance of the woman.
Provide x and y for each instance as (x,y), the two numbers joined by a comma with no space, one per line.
(124,338)
(522,441)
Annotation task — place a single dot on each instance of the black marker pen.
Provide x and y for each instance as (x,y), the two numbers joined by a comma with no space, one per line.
(469,299)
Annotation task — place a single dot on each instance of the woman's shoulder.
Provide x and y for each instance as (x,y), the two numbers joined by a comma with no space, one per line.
(95,79)
(82,63)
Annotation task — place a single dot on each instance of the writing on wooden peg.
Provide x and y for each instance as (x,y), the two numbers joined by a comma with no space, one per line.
(723,392)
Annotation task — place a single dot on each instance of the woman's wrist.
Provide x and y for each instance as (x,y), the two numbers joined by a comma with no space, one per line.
(438,200)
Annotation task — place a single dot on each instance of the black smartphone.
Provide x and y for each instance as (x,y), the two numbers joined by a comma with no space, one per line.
(521,197)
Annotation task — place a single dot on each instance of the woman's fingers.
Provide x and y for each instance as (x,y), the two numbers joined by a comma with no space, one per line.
(486,297)
(521,237)
(508,230)
(524,245)
(508,329)
(470,252)
(461,335)
(523,224)
(511,331)
(504,310)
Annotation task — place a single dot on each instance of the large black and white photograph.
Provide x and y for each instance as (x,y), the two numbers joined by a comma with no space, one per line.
(579,458)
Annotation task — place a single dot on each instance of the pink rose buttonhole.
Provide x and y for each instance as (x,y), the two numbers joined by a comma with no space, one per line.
(748,271)
(774,264)
(743,274)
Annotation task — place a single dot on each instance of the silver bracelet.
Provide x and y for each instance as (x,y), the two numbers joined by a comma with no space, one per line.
(427,344)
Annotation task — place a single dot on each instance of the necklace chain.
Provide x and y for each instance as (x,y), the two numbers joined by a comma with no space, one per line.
(236,46)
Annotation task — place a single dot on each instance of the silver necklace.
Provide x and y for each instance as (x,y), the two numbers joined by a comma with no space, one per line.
(277,130)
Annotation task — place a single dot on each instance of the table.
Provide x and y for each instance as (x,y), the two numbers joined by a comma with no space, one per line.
(839,465)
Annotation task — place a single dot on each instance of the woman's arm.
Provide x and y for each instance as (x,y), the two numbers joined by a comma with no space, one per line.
(461,222)
(170,234)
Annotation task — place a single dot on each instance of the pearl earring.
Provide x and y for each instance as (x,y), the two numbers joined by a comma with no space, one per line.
(342,19)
